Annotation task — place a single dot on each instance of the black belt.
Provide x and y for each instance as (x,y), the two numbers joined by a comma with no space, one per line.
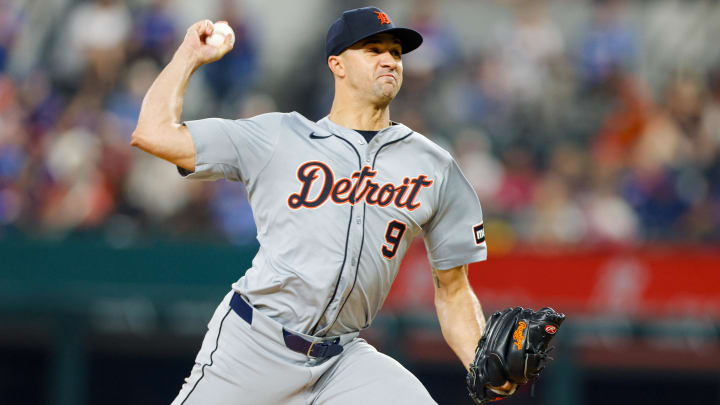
(294,342)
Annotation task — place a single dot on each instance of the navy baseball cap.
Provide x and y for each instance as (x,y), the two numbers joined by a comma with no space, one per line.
(360,23)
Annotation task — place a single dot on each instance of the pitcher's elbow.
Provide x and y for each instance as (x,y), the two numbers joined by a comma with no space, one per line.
(136,138)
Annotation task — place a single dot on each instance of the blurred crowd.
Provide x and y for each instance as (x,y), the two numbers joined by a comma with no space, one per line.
(594,134)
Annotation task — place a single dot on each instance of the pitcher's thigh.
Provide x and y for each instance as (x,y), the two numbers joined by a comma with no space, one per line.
(206,387)
(364,376)
(233,368)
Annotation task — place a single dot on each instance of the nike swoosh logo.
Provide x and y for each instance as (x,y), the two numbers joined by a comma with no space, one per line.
(314,136)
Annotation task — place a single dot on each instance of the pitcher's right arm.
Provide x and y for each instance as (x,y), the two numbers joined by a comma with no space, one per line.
(159,130)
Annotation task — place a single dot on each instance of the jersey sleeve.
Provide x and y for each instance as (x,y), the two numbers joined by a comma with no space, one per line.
(455,235)
(236,150)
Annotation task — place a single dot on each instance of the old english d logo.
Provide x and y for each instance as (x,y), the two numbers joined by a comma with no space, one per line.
(518,335)
(384,19)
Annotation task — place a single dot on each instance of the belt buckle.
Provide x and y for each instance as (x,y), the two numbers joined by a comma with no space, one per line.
(324,346)
(310,349)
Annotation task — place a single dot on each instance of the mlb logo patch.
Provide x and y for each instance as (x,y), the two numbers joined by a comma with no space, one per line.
(479,233)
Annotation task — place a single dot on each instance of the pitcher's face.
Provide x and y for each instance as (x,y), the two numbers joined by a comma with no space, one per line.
(374,68)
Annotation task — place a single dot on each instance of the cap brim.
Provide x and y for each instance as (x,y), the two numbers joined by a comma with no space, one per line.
(409,38)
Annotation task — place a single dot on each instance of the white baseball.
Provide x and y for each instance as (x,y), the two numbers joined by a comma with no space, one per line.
(220,30)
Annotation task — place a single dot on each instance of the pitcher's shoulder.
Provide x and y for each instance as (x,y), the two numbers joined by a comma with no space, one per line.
(430,149)
(301,125)
(277,119)
(280,123)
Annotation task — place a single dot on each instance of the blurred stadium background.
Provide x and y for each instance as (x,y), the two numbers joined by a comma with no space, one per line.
(590,130)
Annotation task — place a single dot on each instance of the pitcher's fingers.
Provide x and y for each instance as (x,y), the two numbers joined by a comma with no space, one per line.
(229,42)
(203,28)
(209,27)
(198,27)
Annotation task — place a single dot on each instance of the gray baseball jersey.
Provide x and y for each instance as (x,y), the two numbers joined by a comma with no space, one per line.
(335,214)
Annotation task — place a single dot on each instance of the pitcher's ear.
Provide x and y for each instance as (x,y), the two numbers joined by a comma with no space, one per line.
(336,65)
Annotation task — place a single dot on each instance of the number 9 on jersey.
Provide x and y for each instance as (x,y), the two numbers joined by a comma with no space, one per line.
(393,236)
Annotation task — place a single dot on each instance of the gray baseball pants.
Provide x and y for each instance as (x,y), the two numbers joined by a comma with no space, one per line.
(243,364)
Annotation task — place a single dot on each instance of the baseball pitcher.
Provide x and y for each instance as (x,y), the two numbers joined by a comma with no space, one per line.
(337,203)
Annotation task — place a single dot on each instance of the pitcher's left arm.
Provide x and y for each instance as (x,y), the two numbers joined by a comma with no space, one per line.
(460,314)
